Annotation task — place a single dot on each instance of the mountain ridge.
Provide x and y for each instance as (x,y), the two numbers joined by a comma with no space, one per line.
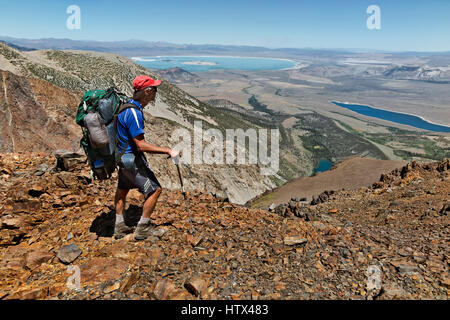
(57,43)
(345,174)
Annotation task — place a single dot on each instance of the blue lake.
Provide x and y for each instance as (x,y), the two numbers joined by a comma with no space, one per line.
(402,118)
(323,165)
(202,63)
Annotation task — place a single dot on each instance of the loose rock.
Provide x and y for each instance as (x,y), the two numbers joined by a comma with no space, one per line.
(68,254)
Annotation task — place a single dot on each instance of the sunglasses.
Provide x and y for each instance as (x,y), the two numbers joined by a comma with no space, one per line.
(153,88)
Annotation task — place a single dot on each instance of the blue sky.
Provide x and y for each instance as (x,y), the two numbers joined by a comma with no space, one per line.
(405,25)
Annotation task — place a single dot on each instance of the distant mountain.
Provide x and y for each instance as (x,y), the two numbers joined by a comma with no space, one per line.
(16,46)
(133,47)
(141,48)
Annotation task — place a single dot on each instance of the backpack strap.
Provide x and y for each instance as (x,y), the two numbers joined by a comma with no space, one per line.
(122,108)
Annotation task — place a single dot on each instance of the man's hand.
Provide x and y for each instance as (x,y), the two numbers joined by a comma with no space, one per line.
(174,153)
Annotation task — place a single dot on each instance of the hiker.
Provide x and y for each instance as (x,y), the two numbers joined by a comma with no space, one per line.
(131,142)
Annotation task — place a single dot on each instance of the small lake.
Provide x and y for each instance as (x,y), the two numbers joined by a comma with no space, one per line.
(402,118)
(323,165)
(206,63)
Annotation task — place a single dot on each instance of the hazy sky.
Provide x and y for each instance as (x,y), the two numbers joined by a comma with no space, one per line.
(405,25)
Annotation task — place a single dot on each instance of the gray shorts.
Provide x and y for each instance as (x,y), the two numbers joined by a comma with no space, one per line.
(142,178)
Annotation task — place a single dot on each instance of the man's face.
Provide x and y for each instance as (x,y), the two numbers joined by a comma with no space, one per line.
(150,94)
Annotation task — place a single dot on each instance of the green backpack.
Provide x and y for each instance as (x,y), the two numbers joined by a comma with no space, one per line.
(95,115)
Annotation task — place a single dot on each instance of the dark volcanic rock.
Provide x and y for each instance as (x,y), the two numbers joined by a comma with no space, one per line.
(68,254)
(69,161)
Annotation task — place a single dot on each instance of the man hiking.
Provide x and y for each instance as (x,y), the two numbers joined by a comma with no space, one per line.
(136,173)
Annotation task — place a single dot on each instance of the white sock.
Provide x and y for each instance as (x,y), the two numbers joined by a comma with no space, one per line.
(119,218)
(144,220)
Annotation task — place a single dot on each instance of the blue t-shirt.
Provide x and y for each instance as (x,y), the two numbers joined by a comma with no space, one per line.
(130,124)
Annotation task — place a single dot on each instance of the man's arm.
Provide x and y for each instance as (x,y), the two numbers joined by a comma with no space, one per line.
(144,146)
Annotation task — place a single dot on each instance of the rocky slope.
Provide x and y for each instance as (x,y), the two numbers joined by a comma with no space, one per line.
(39,95)
(57,224)
(36,115)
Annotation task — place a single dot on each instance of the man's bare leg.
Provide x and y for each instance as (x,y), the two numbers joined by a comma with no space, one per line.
(120,229)
(150,203)
(119,200)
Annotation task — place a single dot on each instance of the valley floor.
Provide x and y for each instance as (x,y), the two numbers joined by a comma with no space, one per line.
(312,89)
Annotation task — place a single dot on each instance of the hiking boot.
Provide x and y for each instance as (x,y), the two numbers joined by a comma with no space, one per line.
(144,230)
(121,230)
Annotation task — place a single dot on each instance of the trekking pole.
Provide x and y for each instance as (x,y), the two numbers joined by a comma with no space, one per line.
(184,193)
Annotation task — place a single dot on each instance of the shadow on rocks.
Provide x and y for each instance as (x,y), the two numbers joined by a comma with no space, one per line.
(103,225)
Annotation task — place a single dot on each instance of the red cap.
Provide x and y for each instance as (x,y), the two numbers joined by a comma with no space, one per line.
(142,82)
